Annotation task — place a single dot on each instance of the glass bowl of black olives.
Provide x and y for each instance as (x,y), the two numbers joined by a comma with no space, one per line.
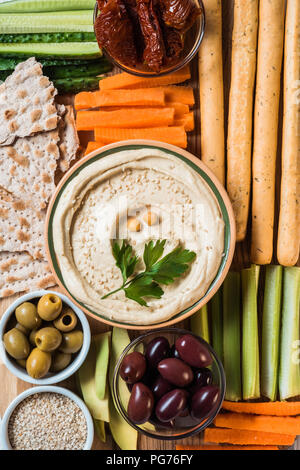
(44,337)
(169,384)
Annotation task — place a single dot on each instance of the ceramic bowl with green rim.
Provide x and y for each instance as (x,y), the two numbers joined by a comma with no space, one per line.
(137,193)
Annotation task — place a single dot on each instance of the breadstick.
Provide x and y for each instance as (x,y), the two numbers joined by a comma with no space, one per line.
(269,61)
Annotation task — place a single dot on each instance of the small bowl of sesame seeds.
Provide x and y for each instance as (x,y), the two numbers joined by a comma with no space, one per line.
(47,418)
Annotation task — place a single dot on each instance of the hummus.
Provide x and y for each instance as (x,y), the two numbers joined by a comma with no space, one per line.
(98,206)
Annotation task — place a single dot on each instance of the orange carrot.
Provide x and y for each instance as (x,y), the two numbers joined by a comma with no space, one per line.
(179,108)
(128,81)
(187,121)
(242,437)
(170,135)
(180,94)
(222,447)
(140,97)
(91,146)
(125,118)
(273,408)
(286,424)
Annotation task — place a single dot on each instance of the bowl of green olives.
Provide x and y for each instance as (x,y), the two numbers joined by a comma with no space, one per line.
(45,337)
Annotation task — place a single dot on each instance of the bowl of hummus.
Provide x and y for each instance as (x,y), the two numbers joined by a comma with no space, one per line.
(140,234)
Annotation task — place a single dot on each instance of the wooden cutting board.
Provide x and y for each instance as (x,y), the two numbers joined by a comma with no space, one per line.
(11,387)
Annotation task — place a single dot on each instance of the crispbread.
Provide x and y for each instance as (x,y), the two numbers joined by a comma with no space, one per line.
(69,142)
(19,272)
(26,103)
(21,226)
(27,167)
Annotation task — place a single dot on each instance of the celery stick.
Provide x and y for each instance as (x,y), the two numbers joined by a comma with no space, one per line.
(231,336)
(217,324)
(199,324)
(250,349)
(289,369)
(62,49)
(23,6)
(59,22)
(257,379)
(102,345)
(270,332)
(100,429)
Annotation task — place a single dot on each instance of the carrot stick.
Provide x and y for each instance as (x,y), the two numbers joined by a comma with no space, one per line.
(125,118)
(273,408)
(128,81)
(269,60)
(242,437)
(170,135)
(211,90)
(289,216)
(277,424)
(222,447)
(91,146)
(187,121)
(181,94)
(239,141)
(140,97)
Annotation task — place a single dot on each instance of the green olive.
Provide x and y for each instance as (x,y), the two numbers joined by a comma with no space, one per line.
(26,315)
(16,344)
(38,363)
(49,307)
(32,337)
(22,328)
(71,342)
(48,339)
(60,361)
(66,321)
(22,363)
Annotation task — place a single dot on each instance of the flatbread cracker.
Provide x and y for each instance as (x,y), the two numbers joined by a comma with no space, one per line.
(28,166)
(19,272)
(21,226)
(69,141)
(26,103)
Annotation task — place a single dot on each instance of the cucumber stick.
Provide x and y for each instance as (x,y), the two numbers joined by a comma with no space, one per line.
(10,63)
(62,49)
(47,37)
(217,324)
(59,21)
(270,332)
(250,347)
(200,324)
(75,85)
(24,6)
(231,336)
(289,369)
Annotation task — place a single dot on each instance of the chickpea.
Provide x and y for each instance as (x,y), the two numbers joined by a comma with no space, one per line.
(150,218)
(133,225)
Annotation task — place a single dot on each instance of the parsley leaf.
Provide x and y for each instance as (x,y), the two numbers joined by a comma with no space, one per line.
(152,252)
(125,260)
(171,266)
(143,287)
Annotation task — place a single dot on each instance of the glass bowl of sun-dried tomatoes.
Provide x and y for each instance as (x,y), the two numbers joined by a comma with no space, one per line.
(149,37)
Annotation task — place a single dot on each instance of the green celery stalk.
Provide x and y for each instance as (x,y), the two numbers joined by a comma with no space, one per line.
(231,336)
(100,429)
(23,6)
(270,332)
(250,348)
(200,324)
(217,324)
(289,369)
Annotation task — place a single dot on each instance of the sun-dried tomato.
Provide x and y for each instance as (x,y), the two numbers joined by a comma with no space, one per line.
(179,14)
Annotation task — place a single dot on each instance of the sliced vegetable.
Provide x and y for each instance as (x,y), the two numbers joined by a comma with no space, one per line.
(217,324)
(250,351)
(200,324)
(126,80)
(187,121)
(242,437)
(100,429)
(47,37)
(62,49)
(224,447)
(171,135)
(23,6)
(289,371)
(53,22)
(139,97)
(74,85)
(270,332)
(9,63)
(231,335)
(124,434)
(91,146)
(125,118)
(180,94)
(102,345)
(275,408)
(285,425)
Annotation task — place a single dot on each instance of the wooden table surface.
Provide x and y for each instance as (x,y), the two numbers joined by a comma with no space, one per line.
(11,387)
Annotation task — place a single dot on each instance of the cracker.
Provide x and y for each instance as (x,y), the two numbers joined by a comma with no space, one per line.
(21,226)
(19,272)
(26,103)
(69,141)
(28,166)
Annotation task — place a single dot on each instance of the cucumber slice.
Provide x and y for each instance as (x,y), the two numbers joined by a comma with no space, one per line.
(74,71)
(47,37)
(270,332)
(75,85)
(63,49)
(9,63)
(23,6)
